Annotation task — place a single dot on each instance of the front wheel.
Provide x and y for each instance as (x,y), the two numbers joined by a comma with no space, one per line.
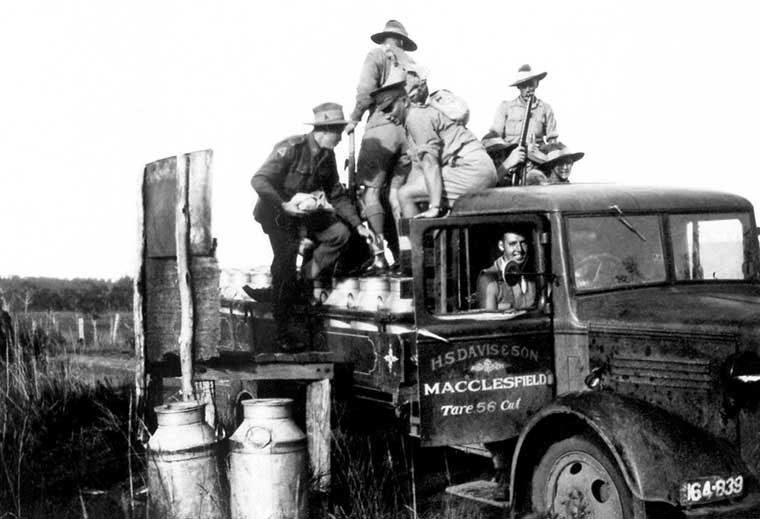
(577,479)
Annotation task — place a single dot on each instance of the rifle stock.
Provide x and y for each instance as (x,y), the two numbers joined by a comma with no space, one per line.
(520,180)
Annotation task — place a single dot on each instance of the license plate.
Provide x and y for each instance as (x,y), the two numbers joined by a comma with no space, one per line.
(713,488)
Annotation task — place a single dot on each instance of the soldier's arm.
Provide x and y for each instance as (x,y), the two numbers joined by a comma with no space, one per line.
(499,120)
(369,80)
(271,174)
(551,123)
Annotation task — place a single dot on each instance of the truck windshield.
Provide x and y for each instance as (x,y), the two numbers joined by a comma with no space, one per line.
(616,251)
(712,246)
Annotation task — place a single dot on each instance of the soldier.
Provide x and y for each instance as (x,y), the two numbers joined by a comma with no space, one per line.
(506,157)
(447,159)
(510,114)
(383,165)
(504,287)
(297,165)
(556,166)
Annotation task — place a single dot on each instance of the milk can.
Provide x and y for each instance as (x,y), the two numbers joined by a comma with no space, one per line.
(183,470)
(345,294)
(374,292)
(322,289)
(268,463)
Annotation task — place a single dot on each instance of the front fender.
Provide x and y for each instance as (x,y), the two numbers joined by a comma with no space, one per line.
(655,450)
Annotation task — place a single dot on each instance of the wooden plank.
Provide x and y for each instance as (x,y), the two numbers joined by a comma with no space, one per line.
(313,371)
(199,201)
(138,295)
(478,491)
(318,432)
(160,200)
(185,281)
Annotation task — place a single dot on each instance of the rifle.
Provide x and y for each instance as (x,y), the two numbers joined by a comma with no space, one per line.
(351,163)
(520,177)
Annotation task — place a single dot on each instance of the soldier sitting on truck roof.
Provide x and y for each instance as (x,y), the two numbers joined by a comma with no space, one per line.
(303,164)
(509,116)
(506,157)
(556,165)
(447,159)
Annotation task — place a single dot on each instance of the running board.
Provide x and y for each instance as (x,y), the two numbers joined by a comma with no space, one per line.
(479,491)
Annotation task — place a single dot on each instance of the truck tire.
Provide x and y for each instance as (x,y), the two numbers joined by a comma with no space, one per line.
(577,478)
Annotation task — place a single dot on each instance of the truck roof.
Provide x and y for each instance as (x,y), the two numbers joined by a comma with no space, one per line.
(580,198)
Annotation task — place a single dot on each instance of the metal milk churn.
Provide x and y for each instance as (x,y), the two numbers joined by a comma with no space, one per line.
(345,294)
(374,292)
(268,463)
(322,291)
(183,470)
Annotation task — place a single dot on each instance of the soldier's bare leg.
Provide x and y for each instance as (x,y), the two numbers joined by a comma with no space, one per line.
(412,192)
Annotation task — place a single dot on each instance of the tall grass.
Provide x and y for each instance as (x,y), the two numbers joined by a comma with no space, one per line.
(379,472)
(58,436)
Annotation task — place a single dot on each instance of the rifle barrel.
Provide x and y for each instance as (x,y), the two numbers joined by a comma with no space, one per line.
(524,139)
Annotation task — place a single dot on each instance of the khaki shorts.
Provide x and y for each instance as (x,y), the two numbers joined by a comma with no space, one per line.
(382,154)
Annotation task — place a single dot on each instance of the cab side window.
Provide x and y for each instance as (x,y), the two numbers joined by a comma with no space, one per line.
(484,268)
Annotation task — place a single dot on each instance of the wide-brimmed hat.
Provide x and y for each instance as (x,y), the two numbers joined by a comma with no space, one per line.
(393,88)
(329,114)
(495,144)
(525,73)
(394,28)
(554,152)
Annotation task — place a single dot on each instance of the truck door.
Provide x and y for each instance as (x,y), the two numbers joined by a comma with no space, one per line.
(484,325)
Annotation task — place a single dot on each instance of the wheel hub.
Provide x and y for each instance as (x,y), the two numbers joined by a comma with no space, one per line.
(581,488)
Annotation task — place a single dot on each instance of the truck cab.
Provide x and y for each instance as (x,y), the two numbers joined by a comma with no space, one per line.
(628,378)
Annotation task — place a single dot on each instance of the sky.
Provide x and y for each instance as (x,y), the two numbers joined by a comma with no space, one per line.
(654,92)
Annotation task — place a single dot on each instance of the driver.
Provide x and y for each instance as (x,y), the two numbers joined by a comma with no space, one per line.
(503,286)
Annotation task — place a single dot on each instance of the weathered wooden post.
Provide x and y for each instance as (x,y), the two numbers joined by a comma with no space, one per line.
(185,281)
(138,295)
(180,275)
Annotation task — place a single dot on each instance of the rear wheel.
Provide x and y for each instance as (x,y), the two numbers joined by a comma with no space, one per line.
(577,479)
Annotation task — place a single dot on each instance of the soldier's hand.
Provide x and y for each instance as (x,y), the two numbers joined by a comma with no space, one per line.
(366,233)
(350,127)
(432,212)
(292,209)
(517,156)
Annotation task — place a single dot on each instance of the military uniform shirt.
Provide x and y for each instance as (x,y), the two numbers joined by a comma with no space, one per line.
(375,71)
(298,165)
(509,119)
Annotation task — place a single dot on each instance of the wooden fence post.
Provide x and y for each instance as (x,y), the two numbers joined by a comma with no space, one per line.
(184,276)
(138,294)
(114,327)
(94,331)
(80,326)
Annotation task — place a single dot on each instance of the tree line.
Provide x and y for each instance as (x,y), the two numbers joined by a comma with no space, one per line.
(41,294)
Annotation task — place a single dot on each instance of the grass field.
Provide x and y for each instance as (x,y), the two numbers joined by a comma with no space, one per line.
(70,445)
(59,331)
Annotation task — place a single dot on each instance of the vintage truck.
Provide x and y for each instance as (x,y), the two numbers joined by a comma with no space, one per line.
(629,388)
